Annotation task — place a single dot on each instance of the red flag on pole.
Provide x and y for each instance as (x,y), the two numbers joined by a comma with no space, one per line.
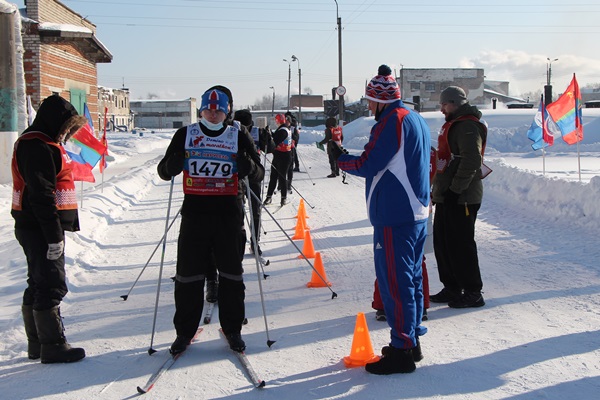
(105,143)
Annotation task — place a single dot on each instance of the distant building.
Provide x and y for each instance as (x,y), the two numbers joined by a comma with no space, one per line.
(164,114)
(118,111)
(426,84)
(589,94)
(60,54)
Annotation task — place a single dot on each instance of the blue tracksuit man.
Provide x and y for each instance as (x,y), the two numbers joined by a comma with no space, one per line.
(395,163)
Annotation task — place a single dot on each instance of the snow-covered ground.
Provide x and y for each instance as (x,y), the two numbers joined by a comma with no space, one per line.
(538,337)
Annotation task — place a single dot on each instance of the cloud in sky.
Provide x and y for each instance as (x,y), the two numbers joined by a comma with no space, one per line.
(528,72)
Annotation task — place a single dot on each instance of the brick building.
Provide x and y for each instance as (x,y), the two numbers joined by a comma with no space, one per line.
(60,54)
(118,112)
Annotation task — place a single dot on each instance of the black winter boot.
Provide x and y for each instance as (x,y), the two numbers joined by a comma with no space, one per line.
(33,344)
(394,361)
(54,346)
(236,343)
(417,354)
(212,291)
(179,345)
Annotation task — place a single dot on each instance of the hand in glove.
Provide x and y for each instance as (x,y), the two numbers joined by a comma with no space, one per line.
(55,250)
(320,146)
(451,197)
(337,150)
(174,164)
(245,166)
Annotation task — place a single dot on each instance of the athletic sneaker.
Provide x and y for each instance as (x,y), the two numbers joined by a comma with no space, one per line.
(380,315)
(268,200)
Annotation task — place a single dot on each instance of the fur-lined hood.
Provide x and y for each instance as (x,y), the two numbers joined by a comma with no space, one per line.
(56,118)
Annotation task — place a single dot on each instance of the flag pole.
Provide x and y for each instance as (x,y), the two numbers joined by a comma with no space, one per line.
(578,161)
(103,159)
(543,161)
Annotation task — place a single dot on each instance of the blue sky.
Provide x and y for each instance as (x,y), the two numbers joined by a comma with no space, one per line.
(180,49)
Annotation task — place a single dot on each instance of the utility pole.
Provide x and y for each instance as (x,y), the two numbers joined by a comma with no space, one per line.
(273,105)
(339,24)
(548,87)
(289,81)
(294,58)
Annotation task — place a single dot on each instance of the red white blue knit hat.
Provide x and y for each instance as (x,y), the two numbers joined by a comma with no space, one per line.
(214,100)
(383,88)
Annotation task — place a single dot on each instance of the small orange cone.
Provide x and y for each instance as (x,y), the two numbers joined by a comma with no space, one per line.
(303,218)
(315,280)
(302,210)
(308,250)
(362,349)
(300,228)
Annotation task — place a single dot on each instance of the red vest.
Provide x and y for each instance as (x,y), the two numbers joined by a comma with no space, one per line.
(66,197)
(287,143)
(444,154)
(336,135)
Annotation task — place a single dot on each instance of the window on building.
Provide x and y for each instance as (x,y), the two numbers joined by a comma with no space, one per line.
(430,87)
(414,86)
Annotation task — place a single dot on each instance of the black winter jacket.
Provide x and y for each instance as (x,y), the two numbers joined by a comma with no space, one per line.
(248,166)
(38,164)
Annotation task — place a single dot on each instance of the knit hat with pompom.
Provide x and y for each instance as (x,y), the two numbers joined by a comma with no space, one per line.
(383,88)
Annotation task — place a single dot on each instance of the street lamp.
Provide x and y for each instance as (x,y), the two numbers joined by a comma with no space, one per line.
(548,86)
(294,58)
(273,105)
(289,80)
(339,23)
(549,69)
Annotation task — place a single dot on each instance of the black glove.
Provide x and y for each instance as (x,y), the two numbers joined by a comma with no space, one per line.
(450,197)
(174,164)
(245,166)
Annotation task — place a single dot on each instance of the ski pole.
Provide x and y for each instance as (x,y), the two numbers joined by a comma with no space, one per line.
(304,165)
(162,259)
(333,294)
(252,235)
(164,237)
(250,193)
(292,186)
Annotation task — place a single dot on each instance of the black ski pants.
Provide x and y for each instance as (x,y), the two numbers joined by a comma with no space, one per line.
(455,248)
(282,161)
(46,283)
(201,238)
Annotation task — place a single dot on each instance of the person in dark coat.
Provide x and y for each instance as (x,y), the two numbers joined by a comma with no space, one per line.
(282,159)
(44,207)
(457,194)
(264,143)
(214,157)
(333,137)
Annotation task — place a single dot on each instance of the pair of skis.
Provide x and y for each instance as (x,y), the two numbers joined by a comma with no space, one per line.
(165,366)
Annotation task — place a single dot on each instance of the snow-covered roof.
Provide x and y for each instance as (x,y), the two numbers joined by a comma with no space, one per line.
(51,26)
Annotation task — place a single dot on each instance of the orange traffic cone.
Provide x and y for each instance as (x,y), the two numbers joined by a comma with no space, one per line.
(362,349)
(302,210)
(303,218)
(315,280)
(308,250)
(300,228)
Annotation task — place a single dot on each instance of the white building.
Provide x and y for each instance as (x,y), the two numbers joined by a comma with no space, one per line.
(164,114)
